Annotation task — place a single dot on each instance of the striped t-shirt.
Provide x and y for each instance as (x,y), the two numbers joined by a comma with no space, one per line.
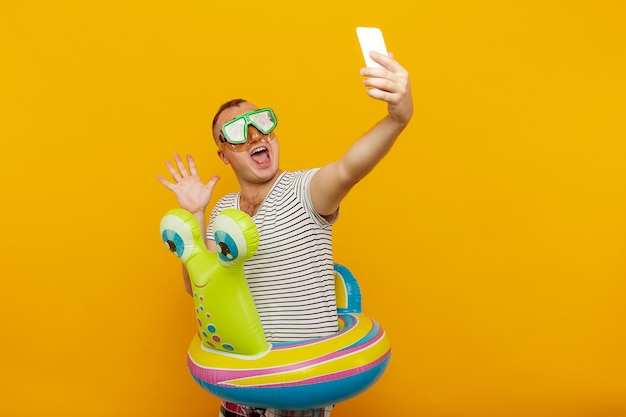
(291,275)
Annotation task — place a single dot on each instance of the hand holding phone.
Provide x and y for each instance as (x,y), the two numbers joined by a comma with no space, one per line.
(371,39)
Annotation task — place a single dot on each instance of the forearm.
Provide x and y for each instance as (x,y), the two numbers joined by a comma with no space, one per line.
(333,182)
(200,217)
(186,280)
(368,151)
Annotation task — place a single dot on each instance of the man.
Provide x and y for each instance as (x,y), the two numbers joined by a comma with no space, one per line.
(291,275)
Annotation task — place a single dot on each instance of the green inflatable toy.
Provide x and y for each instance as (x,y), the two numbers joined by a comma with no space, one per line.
(227,317)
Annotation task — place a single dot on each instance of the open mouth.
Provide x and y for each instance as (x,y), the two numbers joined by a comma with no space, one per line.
(260,155)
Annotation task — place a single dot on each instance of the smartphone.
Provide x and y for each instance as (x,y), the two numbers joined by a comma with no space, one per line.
(371,39)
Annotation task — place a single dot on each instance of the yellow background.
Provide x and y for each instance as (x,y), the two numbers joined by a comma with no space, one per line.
(489,244)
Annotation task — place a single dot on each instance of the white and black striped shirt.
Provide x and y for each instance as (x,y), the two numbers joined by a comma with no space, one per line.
(291,276)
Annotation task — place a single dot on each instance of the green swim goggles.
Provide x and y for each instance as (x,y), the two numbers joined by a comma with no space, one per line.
(235,131)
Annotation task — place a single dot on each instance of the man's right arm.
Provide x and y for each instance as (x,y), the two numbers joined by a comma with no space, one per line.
(193,195)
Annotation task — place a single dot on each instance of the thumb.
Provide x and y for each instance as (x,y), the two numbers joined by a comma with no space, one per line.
(213,181)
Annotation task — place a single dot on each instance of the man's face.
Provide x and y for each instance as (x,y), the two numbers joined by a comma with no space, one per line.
(257,159)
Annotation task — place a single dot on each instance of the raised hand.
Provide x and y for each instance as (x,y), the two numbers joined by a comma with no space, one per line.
(390,84)
(193,195)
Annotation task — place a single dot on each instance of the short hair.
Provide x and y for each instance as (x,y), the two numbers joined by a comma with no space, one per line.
(231,103)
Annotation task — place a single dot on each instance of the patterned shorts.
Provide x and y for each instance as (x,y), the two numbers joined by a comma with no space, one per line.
(233,410)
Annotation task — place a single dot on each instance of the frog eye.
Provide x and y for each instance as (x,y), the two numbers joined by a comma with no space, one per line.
(177,236)
(230,240)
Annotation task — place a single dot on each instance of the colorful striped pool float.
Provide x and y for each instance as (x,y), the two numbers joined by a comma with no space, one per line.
(299,375)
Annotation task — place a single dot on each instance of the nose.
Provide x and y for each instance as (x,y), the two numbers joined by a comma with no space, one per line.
(254,135)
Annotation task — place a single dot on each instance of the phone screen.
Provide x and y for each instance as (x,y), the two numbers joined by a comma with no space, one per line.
(371,39)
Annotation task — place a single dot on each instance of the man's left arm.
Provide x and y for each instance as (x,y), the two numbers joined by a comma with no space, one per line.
(390,84)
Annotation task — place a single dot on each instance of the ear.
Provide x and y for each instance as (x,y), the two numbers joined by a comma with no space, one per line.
(223,157)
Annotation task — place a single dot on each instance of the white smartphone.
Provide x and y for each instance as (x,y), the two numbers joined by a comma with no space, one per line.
(371,39)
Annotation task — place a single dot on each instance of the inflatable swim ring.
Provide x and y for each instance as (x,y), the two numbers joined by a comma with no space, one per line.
(230,357)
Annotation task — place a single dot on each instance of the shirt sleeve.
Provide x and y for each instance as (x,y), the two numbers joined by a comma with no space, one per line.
(303,189)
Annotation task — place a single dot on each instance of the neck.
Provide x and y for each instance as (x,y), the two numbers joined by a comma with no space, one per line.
(252,195)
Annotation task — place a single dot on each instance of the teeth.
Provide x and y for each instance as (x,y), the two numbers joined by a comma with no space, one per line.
(257,150)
